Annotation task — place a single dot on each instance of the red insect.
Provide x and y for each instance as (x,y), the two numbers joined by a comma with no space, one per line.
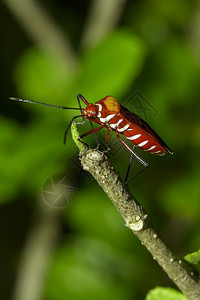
(109,114)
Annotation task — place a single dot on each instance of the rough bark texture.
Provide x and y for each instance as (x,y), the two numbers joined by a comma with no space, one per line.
(138,221)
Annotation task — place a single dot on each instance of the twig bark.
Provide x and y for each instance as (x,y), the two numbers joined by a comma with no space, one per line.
(136,218)
(179,271)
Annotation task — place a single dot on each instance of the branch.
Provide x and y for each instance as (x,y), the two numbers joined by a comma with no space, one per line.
(103,17)
(136,218)
(36,255)
(43,30)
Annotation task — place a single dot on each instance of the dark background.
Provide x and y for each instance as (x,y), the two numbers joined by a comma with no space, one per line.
(146,54)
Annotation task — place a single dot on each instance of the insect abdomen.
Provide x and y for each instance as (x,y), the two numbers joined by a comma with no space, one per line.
(144,141)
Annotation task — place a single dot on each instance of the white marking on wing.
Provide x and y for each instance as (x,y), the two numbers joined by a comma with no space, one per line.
(100,109)
(120,120)
(134,137)
(103,120)
(143,143)
(100,106)
(157,152)
(151,148)
(109,117)
(123,128)
(130,129)
(115,125)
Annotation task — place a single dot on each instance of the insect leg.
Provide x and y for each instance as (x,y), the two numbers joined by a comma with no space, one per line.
(126,178)
(69,125)
(72,121)
(108,139)
(136,156)
(79,96)
(129,165)
(87,133)
(96,138)
(108,144)
(140,172)
(79,103)
(90,132)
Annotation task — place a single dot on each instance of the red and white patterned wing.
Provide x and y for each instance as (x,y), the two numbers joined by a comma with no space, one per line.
(143,126)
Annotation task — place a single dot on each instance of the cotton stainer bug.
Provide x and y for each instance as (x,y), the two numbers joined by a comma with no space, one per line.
(109,114)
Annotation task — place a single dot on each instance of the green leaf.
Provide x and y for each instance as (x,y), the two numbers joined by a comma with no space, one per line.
(194,259)
(41,75)
(165,294)
(110,68)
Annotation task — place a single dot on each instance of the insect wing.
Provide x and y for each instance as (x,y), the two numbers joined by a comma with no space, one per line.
(143,126)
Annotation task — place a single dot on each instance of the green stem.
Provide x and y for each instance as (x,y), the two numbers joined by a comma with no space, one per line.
(75,136)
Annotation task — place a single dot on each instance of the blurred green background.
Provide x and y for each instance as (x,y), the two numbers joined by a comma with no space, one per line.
(143,53)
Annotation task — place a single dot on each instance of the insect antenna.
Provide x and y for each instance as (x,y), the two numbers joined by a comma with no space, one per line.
(41,103)
(79,104)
